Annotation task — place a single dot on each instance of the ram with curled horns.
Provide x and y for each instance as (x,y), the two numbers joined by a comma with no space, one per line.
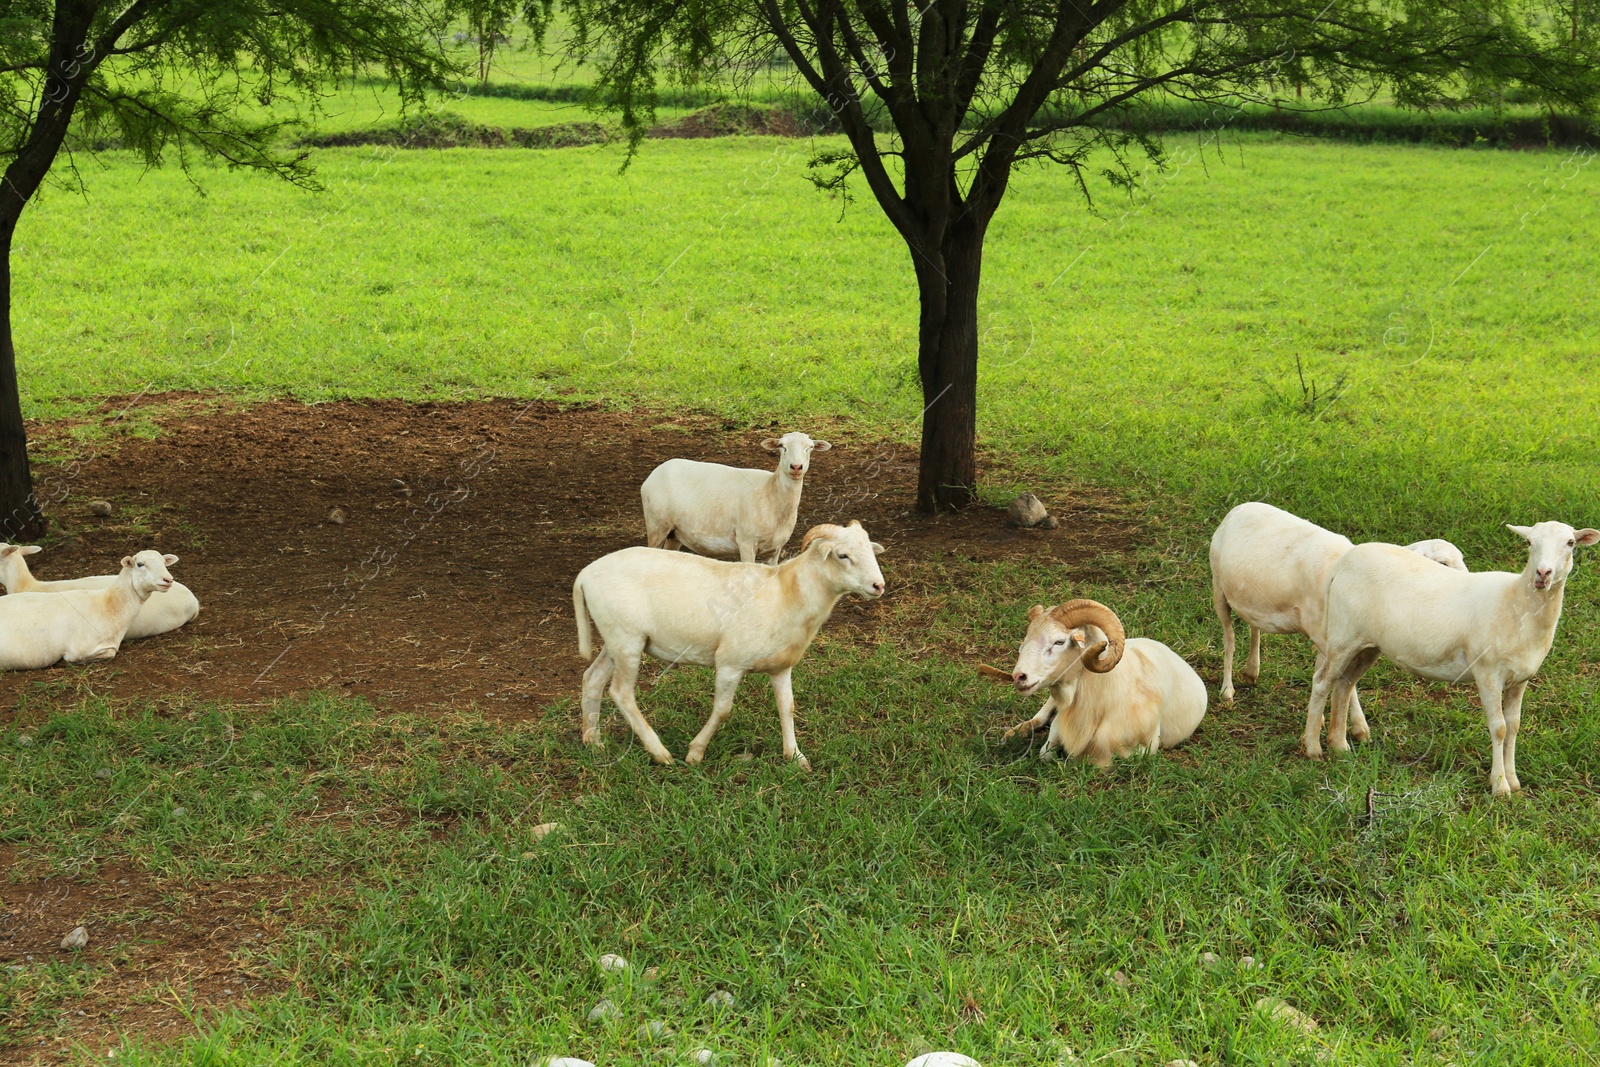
(1110,695)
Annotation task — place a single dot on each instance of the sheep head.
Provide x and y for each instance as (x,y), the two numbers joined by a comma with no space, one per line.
(1059,640)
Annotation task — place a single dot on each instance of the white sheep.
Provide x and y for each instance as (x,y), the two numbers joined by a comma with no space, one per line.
(1271,568)
(79,625)
(728,512)
(1109,696)
(1494,627)
(158,616)
(1440,551)
(732,617)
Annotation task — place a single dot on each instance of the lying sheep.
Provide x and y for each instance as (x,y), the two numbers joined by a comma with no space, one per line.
(158,616)
(1109,696)
(732,617)
(79,625)
(1271,568)
(723,511)
(1494,627)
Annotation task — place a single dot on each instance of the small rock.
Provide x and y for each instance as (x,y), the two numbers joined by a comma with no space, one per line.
(76,940)
(652,973)
(1287,1014)
(602,1011)
(611,963)
(24,741)
(703,1055)
(539,833)
(178,813)
(257,795)
(104,774)
(1438,1033)
(1210,960)
(720,1000)
(654,1030)
(1248,963)
(101,509)
(745,757)
(336,516)
(397,483)
(944,1059)
(1122,979)
(1026,510)
(564,1061)
(1050,523)
(1181,1063)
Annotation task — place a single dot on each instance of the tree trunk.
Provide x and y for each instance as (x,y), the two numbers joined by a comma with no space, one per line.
(947,358)
(20,517)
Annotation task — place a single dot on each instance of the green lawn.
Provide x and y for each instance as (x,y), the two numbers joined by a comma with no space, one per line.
(1149,347)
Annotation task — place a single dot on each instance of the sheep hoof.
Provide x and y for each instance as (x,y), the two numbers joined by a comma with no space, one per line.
(663,757)
(804,764)
(1227,694)
(1047,754)
(1314,752)
(692,757)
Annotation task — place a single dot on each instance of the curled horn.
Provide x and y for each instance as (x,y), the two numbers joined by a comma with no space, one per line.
(827,529)
(1102,657)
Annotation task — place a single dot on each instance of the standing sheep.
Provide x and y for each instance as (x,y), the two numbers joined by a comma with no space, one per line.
(725,512)
(1109,696)
(732,617)
(158,615)
(1494,627)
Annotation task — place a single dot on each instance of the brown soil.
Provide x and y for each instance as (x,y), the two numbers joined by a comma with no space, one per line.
(449,591)
(452,590)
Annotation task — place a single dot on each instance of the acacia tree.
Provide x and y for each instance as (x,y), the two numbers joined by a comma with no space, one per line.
(178,77)
(941,100)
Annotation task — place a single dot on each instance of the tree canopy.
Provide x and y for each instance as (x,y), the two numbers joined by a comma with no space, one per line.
(939,101)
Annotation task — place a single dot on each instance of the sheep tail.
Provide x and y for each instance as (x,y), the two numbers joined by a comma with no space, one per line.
(581,611)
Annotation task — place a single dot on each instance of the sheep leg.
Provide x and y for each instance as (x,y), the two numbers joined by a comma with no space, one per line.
(747,550)
(1344,698)
(93,655)
(656,536)
(783,691)
(1045,717)
(1511,707)
(1252,665)
(1489,692)
(623,680)
(1225,617)
(594,690)
(1052,740)
(721,707)
(1358,720)
(1321,680)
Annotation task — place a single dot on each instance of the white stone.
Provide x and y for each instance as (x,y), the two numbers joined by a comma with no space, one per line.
(545,828)
(944,1059)
(1026,510)
(1287,1014)
(602,1011)
(564,1061)
(77,939)
(654,1030)
(1181,1063)
(720,999)
(611,963)
(704,1055)
(1248,963)
(1122,979)
(1210,960)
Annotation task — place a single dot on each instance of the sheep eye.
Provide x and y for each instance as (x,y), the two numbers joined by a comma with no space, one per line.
(844,558)
(1572,543)
(1059,642)
(138,564)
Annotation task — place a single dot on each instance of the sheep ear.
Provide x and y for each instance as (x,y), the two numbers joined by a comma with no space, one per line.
(772,444)
(6,550)
(1035,611)
(29,550)
(169,559)
(1524,532)
(820,446)
(127,561)
(1078,637)
(1588,537)
(877,549)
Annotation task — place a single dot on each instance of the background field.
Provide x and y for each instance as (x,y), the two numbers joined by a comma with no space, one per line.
(929,886)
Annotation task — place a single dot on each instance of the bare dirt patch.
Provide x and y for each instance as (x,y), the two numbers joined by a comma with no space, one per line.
(448,582)
(157,952)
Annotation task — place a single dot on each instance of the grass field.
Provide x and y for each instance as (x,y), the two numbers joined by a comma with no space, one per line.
(927,886)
